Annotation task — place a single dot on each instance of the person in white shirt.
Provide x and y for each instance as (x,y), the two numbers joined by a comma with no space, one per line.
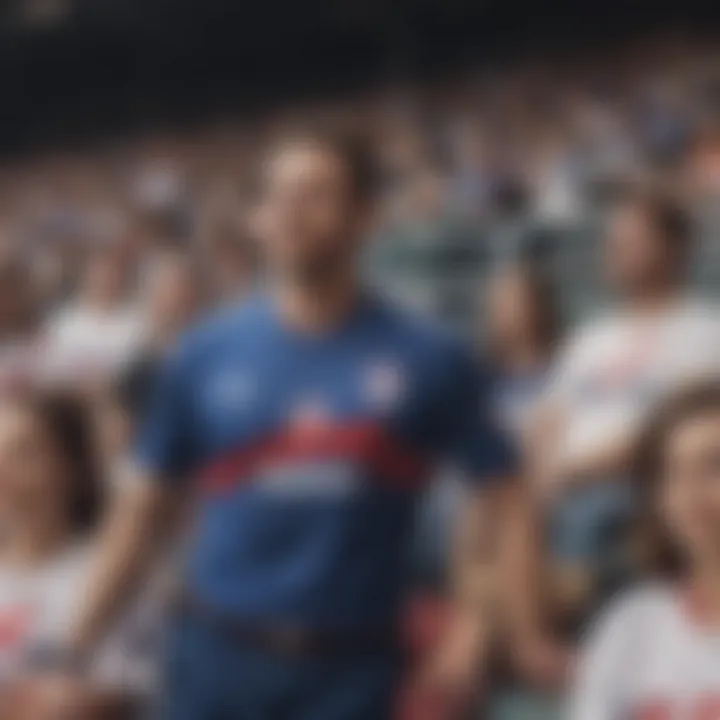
(94,338)
(611,375)
(654,654)
(50,499)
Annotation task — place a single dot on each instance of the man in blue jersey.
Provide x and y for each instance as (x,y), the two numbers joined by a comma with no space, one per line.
(307,422)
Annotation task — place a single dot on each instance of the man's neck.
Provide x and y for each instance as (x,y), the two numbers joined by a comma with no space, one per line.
(319,306)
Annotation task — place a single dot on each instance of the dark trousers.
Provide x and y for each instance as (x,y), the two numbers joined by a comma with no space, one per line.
(211,675)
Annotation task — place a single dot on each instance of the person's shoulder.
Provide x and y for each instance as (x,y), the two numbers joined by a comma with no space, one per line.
(638,606)
(66,317)
(594,332)
(219,329)
(701,312)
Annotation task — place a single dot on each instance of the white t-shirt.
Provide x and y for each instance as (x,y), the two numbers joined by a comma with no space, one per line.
(81,342)
(614,370)
(38,605)
(648,659)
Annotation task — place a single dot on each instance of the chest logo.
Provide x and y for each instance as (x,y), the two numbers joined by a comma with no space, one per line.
(384,385)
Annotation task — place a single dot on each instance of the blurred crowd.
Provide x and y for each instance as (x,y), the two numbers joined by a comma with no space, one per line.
(109,252)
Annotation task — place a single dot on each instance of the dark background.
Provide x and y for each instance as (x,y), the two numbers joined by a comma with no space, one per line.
(73,70)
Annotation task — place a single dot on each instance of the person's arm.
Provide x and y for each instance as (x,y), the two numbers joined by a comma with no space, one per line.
(554,467)
(164,456)
(489,461)
(125,549)
(460,658)
(520,559)
(59,697)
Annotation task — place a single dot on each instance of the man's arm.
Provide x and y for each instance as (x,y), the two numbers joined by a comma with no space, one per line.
(553,469)
(451,676)
(520,562)
(495,590)
(137,517)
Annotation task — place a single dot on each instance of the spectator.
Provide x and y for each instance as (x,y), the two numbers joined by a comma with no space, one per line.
(611,375)
(523,331)
(227,255)
(654,652)
(49,503)
(95,337)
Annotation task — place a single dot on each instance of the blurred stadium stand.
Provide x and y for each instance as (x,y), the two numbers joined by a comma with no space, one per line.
(74,71)
(81,68)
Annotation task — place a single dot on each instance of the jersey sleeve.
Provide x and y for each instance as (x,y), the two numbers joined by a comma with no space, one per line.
(598,691)
(166,444)
(474,442)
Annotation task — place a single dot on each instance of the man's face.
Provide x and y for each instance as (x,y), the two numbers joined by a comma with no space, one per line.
(309,221)
(636,256)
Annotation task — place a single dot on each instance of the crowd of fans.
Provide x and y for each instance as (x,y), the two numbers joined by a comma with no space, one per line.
(108,254)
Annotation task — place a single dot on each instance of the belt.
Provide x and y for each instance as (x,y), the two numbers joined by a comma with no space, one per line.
(288,640)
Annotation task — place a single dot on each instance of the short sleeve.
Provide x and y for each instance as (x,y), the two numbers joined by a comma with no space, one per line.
(474,441)
(166,444)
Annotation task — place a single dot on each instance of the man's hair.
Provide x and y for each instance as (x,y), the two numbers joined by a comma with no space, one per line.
(697,401)
(351,148)
(666,213)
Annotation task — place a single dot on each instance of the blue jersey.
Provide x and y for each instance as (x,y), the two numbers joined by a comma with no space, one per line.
(309,453)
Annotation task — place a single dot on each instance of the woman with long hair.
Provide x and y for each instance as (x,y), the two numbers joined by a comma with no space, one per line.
(655,653)
(50,499)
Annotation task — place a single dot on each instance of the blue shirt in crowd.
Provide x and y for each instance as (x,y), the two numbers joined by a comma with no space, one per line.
(308,453)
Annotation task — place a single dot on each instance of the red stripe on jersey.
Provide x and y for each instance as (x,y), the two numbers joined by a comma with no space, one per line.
(363,442)
(654,711)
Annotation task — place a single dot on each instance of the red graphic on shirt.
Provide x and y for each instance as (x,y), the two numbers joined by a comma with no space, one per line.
(655,711)
(706,708)
(15,624)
